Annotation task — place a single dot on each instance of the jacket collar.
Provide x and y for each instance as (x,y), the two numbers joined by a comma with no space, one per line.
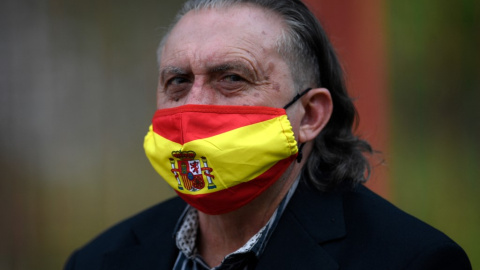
(311,219)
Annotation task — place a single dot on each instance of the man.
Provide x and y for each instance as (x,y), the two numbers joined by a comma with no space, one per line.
(266,188)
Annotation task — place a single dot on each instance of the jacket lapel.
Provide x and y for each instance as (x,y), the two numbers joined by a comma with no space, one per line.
(310,219)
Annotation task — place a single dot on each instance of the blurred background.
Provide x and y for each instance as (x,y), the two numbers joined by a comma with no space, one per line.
(77,93)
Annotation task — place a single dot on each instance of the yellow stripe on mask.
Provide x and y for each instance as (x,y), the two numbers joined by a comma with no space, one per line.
(230,155)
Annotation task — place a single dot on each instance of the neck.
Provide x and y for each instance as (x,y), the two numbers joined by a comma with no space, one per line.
(220,235)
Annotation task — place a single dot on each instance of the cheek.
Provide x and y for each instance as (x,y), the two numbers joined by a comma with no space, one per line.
(164,103)
(276,87)
(294,123)
(160,100)
(269,95)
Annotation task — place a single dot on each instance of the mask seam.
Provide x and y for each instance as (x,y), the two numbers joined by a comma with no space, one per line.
(181,128)
(226,109)
(290,145)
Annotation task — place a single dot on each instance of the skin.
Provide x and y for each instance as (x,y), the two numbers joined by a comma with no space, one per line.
(228,57)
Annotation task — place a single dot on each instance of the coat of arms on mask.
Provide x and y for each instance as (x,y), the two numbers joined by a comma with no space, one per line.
(189,172)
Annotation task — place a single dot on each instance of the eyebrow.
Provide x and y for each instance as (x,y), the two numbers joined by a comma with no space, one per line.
(234,65)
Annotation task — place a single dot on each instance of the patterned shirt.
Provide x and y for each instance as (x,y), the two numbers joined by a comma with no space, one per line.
(244,258)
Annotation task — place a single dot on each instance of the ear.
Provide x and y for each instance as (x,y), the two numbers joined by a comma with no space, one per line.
(318,107)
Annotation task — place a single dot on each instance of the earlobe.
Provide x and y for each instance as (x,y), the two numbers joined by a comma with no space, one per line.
(318,107)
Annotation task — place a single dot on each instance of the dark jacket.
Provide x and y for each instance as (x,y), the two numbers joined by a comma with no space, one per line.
(340,230)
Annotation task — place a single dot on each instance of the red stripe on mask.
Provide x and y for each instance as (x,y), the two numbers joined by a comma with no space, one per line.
(178,125)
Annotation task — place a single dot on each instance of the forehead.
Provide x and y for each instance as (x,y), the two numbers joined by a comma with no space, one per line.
(210,32)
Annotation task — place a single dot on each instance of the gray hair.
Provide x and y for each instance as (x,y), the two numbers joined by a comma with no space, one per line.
(337,159)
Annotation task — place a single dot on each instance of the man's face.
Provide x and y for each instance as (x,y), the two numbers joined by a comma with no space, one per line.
(224,57)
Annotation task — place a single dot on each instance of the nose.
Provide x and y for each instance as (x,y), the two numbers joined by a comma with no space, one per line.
(201,94)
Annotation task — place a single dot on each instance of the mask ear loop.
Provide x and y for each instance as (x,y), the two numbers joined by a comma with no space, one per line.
(300,153)
(297,97)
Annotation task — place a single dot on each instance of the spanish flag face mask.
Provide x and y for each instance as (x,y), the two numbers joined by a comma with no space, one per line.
(219,158)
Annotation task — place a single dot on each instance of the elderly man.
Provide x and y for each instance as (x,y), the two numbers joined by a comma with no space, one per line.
(254,133)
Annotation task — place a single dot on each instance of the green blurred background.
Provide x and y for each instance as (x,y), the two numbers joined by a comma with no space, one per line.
(434,63)
(78,79)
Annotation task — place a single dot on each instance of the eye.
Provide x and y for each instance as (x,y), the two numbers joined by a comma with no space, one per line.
(176,81)
(233,78)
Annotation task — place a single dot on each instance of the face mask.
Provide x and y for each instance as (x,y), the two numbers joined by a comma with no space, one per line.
(219,158)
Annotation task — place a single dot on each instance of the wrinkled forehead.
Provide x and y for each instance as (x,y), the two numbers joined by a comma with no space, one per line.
(232,22)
